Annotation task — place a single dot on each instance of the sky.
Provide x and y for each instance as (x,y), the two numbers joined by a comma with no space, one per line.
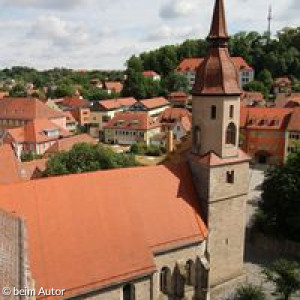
(103,34)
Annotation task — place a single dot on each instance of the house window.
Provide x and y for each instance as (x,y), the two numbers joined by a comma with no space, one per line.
(230,177)
(165,280)
(213,112)
(231,111)
(129,292)
(231,134)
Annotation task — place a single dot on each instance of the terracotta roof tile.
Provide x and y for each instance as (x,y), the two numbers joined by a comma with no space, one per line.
(132,121)
(26,109)
(294,124)
(9,165)
(67,143)
(265,118)
(155,102)
(114,86)
(104,235)
(171,115)
(74,102)
(111,104)
(150,74)
(34,131)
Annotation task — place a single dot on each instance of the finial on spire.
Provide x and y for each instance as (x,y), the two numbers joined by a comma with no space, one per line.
(218,29)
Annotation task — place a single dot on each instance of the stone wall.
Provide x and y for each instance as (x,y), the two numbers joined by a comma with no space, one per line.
(278,247)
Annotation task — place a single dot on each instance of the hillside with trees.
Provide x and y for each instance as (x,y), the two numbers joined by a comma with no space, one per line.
(279,56)
(273,58)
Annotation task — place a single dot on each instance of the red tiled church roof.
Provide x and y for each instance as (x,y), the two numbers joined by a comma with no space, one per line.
(92,230)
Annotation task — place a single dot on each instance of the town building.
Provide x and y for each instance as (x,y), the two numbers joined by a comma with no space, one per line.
(293,133)
(71,123)
(253,99)
(173,231)
(78,107)
(178,99)
(152,75)
(15,112)
(35,137)
(288,100)
(67,143)
(128,128)
(188,67)
(154,106)
(103,111)
(176,120)
(113,87)
(264,134)
(282,85)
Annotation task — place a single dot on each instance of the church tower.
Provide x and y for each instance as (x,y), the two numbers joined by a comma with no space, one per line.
(220,169)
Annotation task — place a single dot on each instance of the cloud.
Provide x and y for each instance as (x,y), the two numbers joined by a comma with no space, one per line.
(58,32)
(176,8)
(171,33)
(46,4)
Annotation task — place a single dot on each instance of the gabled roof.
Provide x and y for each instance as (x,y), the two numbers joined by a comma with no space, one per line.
(294,124)
(155,102)
(69,117)
(150,74)
(265,118)
(26,109)
(113,104)
(74,102)
(171,115)
(115,86)
(132,121)
(67,143)
(33,169)
(34,131)
(84,234)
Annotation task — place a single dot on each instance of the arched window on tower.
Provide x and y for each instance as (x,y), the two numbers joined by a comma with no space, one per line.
(213,112)
(196,139)
(129,292)
(165,280)
(231,134)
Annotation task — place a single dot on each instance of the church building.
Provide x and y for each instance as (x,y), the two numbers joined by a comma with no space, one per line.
(167,232)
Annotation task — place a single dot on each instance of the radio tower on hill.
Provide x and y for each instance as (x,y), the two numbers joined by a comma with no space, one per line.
(270,17)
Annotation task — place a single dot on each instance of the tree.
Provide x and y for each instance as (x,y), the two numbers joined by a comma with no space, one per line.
(285,275)
(248,292)
(64,90)
(18,91)
(86,158)
(279,208)
(176,82)
(256,86)
(265,77)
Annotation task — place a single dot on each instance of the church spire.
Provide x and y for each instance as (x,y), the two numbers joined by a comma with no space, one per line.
(217,75)
(218,30)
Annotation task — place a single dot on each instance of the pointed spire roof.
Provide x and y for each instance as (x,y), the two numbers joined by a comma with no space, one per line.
(217,75)
(218,28)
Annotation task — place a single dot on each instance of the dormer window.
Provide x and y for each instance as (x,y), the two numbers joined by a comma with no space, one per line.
(51,132)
